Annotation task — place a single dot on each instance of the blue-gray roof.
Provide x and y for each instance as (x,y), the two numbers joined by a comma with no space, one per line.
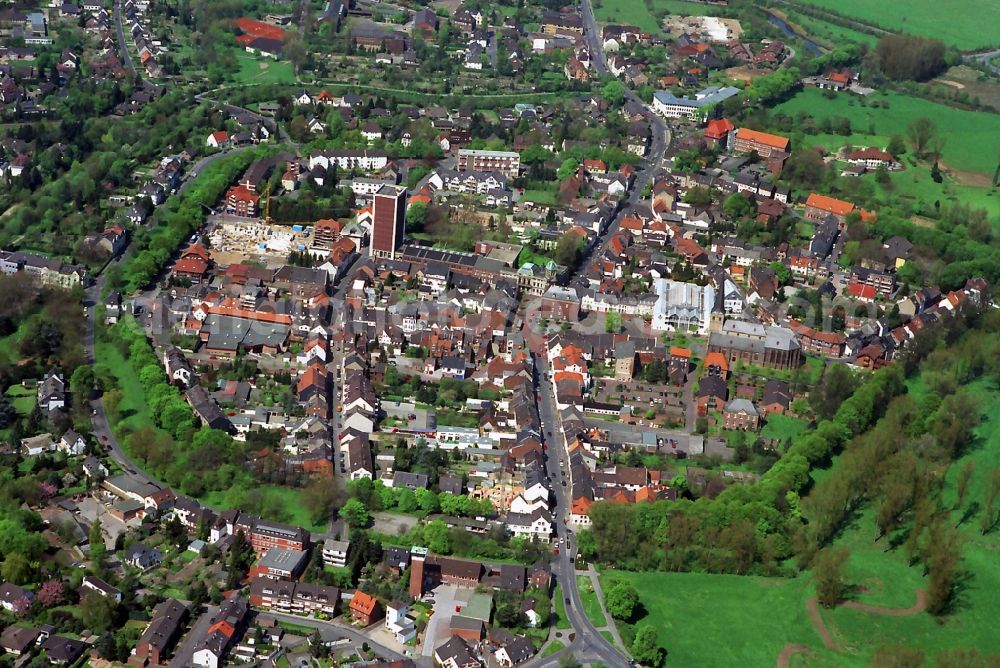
(710,96)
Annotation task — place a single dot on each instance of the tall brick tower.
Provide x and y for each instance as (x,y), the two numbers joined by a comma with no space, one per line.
(417,556)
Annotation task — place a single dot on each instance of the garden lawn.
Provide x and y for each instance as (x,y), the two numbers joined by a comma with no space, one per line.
(23,398)
(591,606)
(972,139)
(539,196)
(263,70)
(783,427)
(966,24)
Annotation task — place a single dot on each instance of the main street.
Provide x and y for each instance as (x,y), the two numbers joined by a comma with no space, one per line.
(588,645)
(648,166)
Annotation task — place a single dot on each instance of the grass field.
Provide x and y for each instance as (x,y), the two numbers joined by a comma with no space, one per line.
(591,606)
(972,139)
(783,427)
(724,620)
(636,13)
(829,34)
(560,620)
(263,70)
(966,24)
(285,498)
(134,411)
(554,646)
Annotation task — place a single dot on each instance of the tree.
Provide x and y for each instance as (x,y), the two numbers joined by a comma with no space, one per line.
(828,574)
(943,552)
(698,196)
(98,548)
(739,206)
(508,616)
(645,648)
(568,250)
(923,136)
(838,384)
(355,514)
(962,483)
(318,498)
(905,57)
(97,612)
(896,146)
(17,568)
(437,538)
(613,92)
(612,322)
(295,51)
(51,593)
(81,383)
(621,600)
(567,169)
(416,217)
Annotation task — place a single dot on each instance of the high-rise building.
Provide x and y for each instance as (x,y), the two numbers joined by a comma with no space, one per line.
(389,213)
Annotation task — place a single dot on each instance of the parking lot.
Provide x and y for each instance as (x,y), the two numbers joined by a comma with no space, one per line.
(445,598)
(91,509)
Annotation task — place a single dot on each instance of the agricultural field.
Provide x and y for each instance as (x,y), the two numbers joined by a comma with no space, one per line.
(966,24)
(728,620)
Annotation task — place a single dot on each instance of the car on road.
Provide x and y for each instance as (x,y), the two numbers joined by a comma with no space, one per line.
(104,439)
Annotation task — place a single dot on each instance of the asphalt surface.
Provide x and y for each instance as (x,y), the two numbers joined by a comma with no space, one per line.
(588,645)
(658,147)
(330,631)
(120,33)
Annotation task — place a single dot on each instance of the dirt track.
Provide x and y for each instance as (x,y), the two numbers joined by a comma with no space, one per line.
(787,652)
(919,606)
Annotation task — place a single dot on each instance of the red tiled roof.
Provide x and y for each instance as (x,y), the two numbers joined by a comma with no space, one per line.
(830,204)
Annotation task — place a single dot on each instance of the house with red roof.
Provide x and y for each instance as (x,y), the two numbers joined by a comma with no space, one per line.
(218,139)
(862,292)
(819,207)
(718,131)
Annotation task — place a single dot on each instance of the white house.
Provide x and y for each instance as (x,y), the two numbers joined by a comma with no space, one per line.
(537,524)
(71,443)
(398,623)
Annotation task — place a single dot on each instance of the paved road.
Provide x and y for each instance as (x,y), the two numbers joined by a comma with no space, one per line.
(120,35)
(185,648)
(986,58)
(649,164)
(330,631)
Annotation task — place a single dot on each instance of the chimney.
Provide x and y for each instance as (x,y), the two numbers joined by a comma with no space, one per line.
(417,556)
